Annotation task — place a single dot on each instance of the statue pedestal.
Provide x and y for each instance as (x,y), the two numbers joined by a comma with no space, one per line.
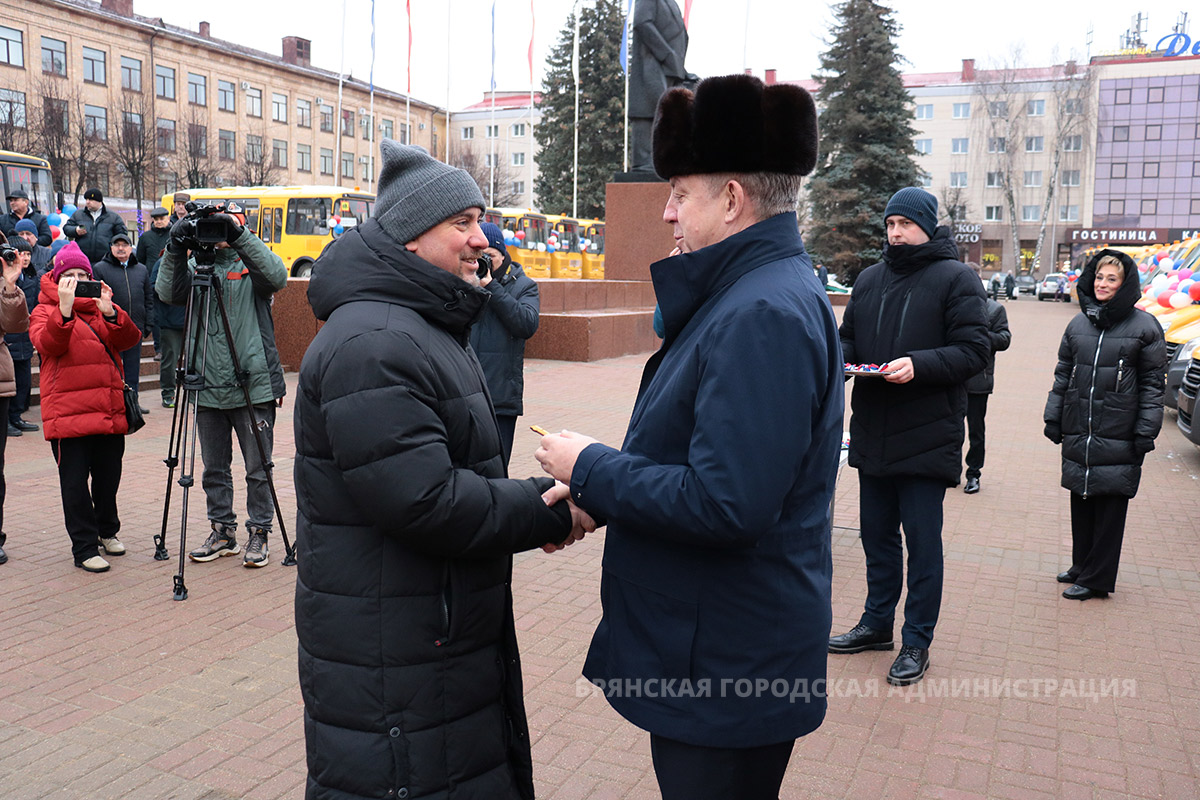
(635,235)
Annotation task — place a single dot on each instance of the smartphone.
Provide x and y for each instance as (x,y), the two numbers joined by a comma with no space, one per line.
(87,289)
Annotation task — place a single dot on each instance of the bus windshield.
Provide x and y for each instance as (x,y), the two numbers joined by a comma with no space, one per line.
(306,214)
(35,181)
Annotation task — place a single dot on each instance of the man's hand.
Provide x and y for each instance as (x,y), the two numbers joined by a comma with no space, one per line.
(900,370)
(558,452)
(581,522)
(80,231)
(12,271)
(232,229)
(183,234)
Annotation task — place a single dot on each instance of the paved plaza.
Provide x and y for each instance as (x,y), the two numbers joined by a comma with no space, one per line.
(111,690)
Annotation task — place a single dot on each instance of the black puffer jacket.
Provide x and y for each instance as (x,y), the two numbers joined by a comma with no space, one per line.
(498,337)
(1106,406)
(1001,337)
(406,529)
(920,302)
(98,232)
(131,288)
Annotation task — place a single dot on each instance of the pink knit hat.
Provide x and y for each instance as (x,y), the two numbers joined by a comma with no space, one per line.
(70,257)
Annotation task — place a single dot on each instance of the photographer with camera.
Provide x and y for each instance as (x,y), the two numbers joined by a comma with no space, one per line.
(19,346)
(248,274)
(14,318)
(78,331)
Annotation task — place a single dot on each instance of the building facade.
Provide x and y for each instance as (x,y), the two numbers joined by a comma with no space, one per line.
(498,132)
(109,97)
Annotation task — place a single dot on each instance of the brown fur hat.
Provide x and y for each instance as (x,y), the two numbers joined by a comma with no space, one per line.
(735,123)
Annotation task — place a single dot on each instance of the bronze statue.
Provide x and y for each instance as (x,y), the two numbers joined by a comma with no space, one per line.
(656,64)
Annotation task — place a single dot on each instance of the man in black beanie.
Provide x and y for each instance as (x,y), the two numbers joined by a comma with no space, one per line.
(407,525)
(906,428)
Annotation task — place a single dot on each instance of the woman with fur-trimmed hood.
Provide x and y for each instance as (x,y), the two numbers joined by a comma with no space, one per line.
(1106,408)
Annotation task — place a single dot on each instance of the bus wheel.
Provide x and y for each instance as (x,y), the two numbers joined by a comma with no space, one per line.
(302,268)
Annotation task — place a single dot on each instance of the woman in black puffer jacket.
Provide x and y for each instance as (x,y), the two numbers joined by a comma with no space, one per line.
(1106,408)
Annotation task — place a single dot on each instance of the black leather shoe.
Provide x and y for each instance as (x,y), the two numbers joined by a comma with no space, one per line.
(1065,577)
(3,556)
(22,425)
(909,667)
(13,431)
(1078,592)
(860,638)
(143,409)
(972,486)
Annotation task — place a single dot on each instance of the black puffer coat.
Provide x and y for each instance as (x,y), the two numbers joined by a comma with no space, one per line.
(130,286)
(920,302)
(1001,337)
(498,337)
(1106,406)
(406,529)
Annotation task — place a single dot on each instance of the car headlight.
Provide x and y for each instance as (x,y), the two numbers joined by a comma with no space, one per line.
(1165,323)
(1185,353)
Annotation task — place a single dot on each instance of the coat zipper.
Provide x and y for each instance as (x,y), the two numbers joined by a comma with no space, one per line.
(1120,371)
(445,607)
(882,305)
(904,312)
(1087,446)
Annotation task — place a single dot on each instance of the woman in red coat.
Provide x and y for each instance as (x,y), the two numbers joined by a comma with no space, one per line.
(83,406)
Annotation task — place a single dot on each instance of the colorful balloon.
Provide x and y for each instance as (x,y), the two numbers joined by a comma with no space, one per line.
(1164,298)
(54,231)
(1180,300)
(1194,291)
(69,209)
(1167,264)
(520,236)
(1185,273)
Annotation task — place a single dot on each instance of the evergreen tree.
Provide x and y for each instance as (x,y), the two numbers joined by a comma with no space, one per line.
(601,117)
(867,150)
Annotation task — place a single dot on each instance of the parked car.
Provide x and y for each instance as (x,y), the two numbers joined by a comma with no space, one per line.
(1187,407)
(1047,288)
(1026,284)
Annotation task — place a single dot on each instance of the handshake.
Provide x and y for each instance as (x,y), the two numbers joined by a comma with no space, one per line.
(557,455)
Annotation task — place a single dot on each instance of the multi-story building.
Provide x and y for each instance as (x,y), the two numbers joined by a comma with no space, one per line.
(126,96)
(493,140)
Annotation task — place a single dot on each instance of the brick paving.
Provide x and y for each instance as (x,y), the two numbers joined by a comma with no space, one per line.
(109,689)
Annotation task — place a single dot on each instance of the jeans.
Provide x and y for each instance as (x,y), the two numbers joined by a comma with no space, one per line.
(171,341)
(215,427)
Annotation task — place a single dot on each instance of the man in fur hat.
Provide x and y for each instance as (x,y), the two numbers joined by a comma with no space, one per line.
(716,580)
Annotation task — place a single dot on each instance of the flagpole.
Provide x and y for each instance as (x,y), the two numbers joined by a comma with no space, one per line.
(371,115)
(492,125)
(532,29)
(337,162)
(408,75)
(575,75)
(448,51)
(628,66)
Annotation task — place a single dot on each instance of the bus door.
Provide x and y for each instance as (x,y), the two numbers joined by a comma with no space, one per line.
(271,217)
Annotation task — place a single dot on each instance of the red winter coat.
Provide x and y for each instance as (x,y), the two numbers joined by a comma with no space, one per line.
(81,386)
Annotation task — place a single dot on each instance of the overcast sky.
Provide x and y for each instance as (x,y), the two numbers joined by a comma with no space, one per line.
(726,35)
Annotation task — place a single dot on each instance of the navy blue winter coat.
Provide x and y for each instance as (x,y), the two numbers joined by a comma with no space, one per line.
(717,558)
(131,288)
(498,336)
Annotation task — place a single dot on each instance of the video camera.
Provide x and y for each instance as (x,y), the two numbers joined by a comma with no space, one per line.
(207,231)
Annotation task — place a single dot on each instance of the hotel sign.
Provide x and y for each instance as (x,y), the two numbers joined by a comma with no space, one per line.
(1114,235)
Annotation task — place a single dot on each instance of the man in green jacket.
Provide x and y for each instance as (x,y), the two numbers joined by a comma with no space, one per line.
(248,274)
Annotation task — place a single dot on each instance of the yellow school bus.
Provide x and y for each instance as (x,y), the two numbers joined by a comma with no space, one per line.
(31,173)
(296,222)
(534,230)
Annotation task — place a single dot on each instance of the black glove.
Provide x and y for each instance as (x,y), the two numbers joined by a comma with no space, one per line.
(1143,444)
(183,236)
(1053,432)
(232,229)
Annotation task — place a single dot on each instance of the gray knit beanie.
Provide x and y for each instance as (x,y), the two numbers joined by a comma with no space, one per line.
(417,191)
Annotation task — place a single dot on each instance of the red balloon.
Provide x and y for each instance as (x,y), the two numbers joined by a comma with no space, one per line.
(1164,298)
(1162,254)
(1194,291)
(54,231)
(520,236)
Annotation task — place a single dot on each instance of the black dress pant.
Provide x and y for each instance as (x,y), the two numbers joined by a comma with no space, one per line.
(1097,530)
(689,772)
(4,401)
(508,429)
(976,411)
(23,375)
(90,512)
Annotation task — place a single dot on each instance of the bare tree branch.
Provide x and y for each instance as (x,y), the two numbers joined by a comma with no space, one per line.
(467,158)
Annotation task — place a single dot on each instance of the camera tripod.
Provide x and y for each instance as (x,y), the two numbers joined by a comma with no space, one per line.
(189,383)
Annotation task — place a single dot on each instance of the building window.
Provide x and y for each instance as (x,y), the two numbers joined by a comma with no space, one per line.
(54,56)
(518,159)
(1034,144)
(166,135)
(254,149)
(368,169)
(198,140)
(924,146)
(94,66)
(994,180)
(197,89)
(1036,108)
(1120,133)
(488,160)
(326,119)
(1196,169)
(326,161)
(1149,208)
(959,146)
(925,181)
(303,113)
(469,133)
(254,102)
(1154,95)
(996,144)
(95,122)
(12,47)
(958,180)
(1031,213)
(279,106)
(1070,177)
(1123,97)
(348,129)
(406,132)
(1033,177)
(1150,169)
(279,153)
(493,131)
(131,74)
(55,115)
(387,129)
(993,213)
(998,108)
(962,110)
(226,145)
(1195,206)
(925,111)
(12,108)
(225,95)
(96,174)
(1073,144)
(1068,213)
(368,125)
(168,183)
(518,187)
(1073,106)
(1116,207)
(348,165)
(433,146)
(132,123)
(1118,170)
(1153,133)
(518,129)
(304,157)
(164,82)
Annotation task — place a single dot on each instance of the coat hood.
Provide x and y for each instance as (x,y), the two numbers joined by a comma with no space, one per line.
(365,264)
(1104,315)
(911,257)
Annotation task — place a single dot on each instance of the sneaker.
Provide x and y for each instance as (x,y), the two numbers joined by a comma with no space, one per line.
(112,547)
(94,564)
(168,402)
(221,542)
(158,356)
(256,548)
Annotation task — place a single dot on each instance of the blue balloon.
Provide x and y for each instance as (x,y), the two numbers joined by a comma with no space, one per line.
(339,229)
(69,209)
(53,219)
